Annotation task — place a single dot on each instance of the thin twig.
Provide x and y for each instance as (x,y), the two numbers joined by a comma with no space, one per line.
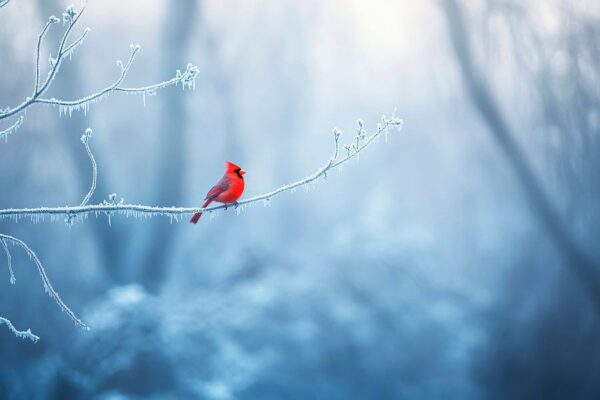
(9,261)
(71,17)
(85,140)
(47,285)
(52,20)
(20,334)
(11,129)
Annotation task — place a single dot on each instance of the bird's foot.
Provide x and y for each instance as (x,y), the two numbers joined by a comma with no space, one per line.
(235,204)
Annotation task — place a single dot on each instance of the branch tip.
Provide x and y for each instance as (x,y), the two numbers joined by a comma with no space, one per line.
(20,334)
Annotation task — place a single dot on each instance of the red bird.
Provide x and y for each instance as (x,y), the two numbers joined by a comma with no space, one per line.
(227,191)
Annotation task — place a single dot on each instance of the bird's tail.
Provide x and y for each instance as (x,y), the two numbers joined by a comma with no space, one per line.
(196,217)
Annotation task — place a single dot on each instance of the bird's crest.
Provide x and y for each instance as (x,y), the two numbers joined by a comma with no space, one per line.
(231,166)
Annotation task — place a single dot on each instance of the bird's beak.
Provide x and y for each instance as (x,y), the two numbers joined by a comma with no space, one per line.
(242,172)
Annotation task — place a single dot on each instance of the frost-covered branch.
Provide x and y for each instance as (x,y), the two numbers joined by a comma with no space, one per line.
(85,139)
(360,142)
(20,334)
(13,280)
(42,35)
(70,19)
(3,3)
(11,129)
(47,285)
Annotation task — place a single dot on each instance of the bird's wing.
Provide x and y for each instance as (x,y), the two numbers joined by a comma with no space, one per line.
(222,186)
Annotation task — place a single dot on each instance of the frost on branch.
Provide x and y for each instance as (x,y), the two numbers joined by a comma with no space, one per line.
(85,139)
(20,334)
(69,15)
(13,280)
(112,201)
(11,129)
(359,142)
(70,18)
(42,272)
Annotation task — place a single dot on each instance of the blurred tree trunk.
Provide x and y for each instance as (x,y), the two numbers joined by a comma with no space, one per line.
(176,36)
(582,266)
(109,239)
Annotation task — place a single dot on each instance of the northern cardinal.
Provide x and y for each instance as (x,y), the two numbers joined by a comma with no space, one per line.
(228,190)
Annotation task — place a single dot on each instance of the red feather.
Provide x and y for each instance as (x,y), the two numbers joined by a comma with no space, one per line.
(227,190)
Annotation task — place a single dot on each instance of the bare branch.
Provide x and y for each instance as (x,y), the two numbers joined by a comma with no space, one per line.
(186,78)
(69,50)
(47,285)
(70,18)
(20,334)
(9,261)
(11,129)
(360,142)
(85,138)
(52,20)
